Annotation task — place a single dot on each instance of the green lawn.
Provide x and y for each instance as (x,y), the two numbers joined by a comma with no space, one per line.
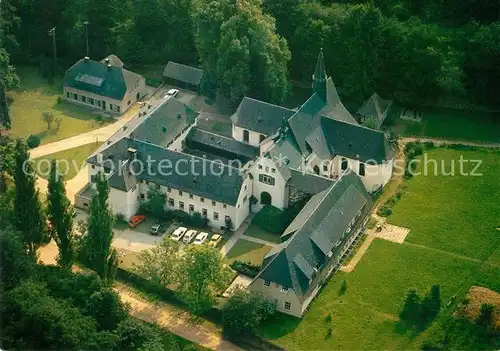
(36,96)
(453,242)
(247,251)
(256,232)
(72,160)
(458,214)
(449,124)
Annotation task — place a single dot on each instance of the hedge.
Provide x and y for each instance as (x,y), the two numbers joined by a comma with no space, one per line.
(245,268)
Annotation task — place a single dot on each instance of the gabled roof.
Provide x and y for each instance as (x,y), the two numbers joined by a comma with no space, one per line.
(97,78)
(355,141)
(166,122)
(323,223)
(191,174)
(260,116)
(334,107)
(376,107)
(183,73)
(286,152)
(308,182)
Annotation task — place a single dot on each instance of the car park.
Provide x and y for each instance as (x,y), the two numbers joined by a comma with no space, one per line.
(134,221)
(190,235)
(178,233)
(200,238)
(157,229)
(171,93)
(214,240)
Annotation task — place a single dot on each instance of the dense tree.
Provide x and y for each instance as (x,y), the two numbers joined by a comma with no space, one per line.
(96,244)
(105,306)
(60,214)
(15,263)
(244,311)
(156,201)
(201,273)
(29,217)
(137,335)
(157,264)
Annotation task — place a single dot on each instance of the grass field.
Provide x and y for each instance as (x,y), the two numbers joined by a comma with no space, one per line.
(443,248)
(75,161)
(449,124)
(247,251)
(256,232)
(36,96)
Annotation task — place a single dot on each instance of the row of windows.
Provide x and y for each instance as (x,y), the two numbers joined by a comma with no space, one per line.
(273,170)
(92,101)
(204,211)
(266,179)
(344,164)
(246,136)
(287,305)
(191,196)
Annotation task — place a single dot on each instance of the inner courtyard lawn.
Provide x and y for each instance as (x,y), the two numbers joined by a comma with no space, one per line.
(453,242)
(247,251)
(72,161)
(36,96)
(458,214)
(255,231)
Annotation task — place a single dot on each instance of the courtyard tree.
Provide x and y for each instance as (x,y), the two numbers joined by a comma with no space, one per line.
(60,214)
(29,217)
(200,274)
(244,311)
(96,246)
(156,201)
(157,264)
(48,117)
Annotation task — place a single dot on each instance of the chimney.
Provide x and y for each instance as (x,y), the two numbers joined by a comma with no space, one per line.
(109,67)
(106,60)
(86,58)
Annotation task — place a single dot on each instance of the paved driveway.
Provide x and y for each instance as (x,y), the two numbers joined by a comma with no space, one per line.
(137,239)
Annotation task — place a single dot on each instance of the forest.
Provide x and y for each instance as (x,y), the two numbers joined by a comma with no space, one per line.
(432,52)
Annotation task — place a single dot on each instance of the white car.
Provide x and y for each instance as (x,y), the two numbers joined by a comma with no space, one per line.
(171,93)
(178,233)
(200,238)
(189,236)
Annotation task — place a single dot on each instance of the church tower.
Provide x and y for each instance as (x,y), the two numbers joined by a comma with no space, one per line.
(319,77)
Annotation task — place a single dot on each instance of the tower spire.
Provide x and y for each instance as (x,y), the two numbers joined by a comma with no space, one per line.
(319,77)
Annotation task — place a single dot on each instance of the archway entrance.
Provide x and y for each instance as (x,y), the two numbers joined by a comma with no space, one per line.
(265,198)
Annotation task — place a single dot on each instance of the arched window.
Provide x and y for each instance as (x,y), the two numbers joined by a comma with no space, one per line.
(316,169)
(345,163)
(246,136)
(361,169)
(265,198)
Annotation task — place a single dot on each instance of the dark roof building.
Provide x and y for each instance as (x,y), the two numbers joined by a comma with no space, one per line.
(100,78)
(375,107)
(260,116)
(186,76)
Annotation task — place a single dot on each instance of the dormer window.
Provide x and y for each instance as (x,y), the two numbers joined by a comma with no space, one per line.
(284,289)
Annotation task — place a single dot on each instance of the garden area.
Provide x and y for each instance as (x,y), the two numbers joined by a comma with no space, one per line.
(453,242)
(248,251)
(72,161)
(36,96)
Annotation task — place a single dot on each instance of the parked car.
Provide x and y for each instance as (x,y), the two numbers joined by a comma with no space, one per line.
(134,221)
(178,233)
(157,229)
(171,93)
(190,235)
(200,238)
(214,240)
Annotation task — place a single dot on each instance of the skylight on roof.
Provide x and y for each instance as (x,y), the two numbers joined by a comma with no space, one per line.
(88,79)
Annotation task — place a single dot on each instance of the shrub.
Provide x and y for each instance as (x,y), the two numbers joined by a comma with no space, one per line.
(245,268)
(343,287)
(271,219)
(33,141)
(328,318)
(429,145)
(329,333)
(384,211)
(120,218)
(59,99)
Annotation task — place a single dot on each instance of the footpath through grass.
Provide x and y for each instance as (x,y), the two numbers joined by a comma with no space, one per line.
(36,96)
(71,161)
(453,242)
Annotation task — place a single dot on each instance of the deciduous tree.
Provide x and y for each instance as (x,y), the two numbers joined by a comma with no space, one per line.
(157,264)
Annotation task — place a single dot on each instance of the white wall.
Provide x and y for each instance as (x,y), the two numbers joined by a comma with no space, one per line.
(279,196)
(126,203)
(253,137)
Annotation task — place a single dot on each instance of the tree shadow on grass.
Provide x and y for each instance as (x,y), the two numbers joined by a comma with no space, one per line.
(77,112)
(278,326)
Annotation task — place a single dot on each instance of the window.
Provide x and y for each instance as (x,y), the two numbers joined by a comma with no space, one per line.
(216,216)
(93,166)
(273,170)
(190,196)
(245,188)
(75,96)
(204,212)
(98,103)
(213,203)
(325,168)
(227,218)
(180,192)
(267,283)
(128,103)
(361,169)
(283,289)
(142,197)
(202,199)
(181,205)
(266,179)
(344,164)
(169,189)
(171,202)
(67,94)
(245,199)
(288,305)
(267,169)
(261,138)
(224,206)
(90,100)
(246,136)
(260,166)
(316,169)
(147,182)
(83,98)
(191,208)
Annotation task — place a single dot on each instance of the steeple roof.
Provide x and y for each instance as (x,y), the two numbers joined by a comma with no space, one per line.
(319,77)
